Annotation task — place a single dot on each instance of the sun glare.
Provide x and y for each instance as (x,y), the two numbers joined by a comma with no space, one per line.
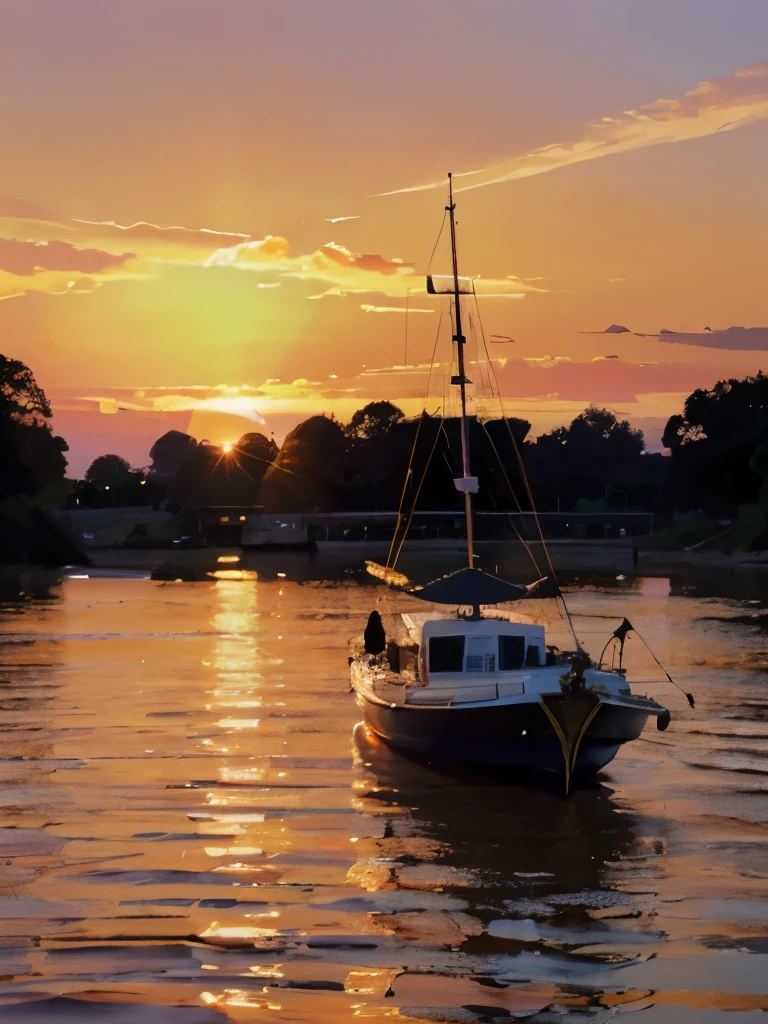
(227,447)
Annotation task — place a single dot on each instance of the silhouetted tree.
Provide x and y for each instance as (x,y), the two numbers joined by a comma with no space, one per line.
(167,454)
(596,451)
(31,457)
(255,453)
(308,474)
(110,481)
(424,456)
(32,467)
(713,443)
(210,476)
(372,420)
(22,400)
(109,471)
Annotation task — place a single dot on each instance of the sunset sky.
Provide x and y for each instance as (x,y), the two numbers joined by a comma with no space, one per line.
(213,212)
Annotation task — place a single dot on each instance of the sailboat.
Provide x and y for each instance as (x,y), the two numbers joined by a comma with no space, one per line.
(470,681)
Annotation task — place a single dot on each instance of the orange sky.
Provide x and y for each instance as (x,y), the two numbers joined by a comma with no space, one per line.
(187,165)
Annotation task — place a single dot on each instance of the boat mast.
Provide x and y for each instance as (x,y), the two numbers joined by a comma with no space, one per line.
(467,484)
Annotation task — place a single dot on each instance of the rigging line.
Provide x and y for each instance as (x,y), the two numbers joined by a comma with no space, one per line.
(409,472)
(408,475)
(407,300)
(529,494)
(437,241)
(434,353)
(688,696)
(438,432)
(528,551)
(523,474)
(491,370)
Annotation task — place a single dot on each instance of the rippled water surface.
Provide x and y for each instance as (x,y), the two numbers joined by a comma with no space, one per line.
(194,830)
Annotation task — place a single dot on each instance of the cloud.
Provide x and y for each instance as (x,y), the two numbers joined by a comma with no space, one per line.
(57,268)
(546,390)
(345,272)
(150,243)
(245,401)
(23,209)
(338,268)
(196,238)
(717,105)
(24,258)
(744,339)
(392,309)
(549,379)
(236,405)
(613,329)
(545,362)
(338,220)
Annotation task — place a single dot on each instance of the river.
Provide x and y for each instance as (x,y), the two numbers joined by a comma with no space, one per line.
(196,829)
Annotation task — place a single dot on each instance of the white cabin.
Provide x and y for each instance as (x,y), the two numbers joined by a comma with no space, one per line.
(464,661)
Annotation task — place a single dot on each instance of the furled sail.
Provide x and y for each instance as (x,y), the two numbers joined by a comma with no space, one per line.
(465,587)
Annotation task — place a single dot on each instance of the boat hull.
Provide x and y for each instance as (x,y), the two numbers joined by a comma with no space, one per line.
(518,736)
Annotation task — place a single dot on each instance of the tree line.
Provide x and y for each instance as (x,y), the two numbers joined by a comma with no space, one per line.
(718,461)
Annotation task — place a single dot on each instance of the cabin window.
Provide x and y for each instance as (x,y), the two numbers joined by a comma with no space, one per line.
(511,652)
(480,656)
(446,654)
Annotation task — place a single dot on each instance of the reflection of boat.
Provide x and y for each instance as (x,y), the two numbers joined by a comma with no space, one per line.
(479,684)
(475,815)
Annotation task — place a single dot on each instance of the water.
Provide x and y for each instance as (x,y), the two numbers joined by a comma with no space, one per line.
(195,830)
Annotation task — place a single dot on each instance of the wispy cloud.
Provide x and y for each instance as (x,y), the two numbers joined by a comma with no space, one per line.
(744,339)
(203,238)
(343,271)
(28,258)
(338,220)
(339,270)
(392,309)
(717,105)
(178,401)
(54,268)
(38,242)
(613,329)
(545,362)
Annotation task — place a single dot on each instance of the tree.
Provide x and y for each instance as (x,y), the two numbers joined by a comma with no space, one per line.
(167,454)
(596,454)
(31,457)
(22,400)
(430,448)
(110,481)
(32,467)
(372,420)
(211,475)
(713,442)
(109,471)
(308,474)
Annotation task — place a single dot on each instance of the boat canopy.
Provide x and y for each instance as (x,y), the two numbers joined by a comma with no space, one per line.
(463,587)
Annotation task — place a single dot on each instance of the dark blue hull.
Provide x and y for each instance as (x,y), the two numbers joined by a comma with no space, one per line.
(517,736)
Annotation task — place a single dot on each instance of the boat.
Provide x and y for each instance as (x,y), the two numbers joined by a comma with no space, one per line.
(473,682)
